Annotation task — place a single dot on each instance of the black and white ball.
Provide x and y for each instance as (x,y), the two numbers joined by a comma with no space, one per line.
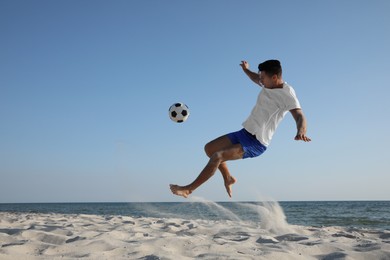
(179,112)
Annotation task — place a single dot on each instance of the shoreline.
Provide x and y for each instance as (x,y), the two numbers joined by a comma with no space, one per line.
(374,214)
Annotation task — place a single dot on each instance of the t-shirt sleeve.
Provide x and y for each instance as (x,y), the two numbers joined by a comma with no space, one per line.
(292,101)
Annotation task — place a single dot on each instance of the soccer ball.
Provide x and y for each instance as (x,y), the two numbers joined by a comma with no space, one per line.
(179,112)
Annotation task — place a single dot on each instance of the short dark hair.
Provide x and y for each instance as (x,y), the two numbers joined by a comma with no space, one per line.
(271,67)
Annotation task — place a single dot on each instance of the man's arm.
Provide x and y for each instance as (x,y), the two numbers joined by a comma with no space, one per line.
(253,76)
(301,124)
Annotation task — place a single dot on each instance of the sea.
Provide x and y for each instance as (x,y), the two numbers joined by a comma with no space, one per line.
(358,214)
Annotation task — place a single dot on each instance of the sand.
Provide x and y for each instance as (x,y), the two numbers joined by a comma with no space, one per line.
(70,236)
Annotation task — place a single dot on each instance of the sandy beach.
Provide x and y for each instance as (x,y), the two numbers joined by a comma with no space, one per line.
(70,236)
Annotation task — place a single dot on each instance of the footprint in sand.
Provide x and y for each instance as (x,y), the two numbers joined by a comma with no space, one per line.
(11,231)
(266,240)
(333,256)
(16,243)
(345,234)
(291,237)
(384,236)
(44,237)
(366,246)
(224,237)
(77,238)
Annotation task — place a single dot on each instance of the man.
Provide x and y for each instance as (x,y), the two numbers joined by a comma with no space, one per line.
(275,99)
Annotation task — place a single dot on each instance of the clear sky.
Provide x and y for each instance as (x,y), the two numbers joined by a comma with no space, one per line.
(85,88)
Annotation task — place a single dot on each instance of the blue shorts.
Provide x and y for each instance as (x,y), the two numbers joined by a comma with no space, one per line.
(251,146)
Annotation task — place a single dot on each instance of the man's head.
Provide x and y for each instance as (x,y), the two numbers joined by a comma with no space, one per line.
(270,72)
(271,67)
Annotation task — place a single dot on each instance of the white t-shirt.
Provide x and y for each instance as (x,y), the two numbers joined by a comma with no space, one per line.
(271,106)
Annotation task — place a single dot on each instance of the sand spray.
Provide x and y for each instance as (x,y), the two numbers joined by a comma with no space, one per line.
(270,214)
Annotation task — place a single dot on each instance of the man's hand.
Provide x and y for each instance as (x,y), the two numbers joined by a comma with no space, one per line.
(244,65)
(253,76)
(302,137)
(301,125)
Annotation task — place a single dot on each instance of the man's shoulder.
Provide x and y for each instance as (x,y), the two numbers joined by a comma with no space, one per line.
(289,89)
(287,86)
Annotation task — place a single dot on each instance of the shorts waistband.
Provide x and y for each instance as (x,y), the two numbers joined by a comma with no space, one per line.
(254,136)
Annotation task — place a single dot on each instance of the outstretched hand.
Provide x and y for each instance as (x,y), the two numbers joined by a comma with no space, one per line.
(302,137)
(244,65)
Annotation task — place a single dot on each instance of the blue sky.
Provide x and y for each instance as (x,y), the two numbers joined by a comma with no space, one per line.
(85,88)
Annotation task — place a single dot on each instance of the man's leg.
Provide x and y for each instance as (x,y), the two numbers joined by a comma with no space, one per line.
(233,152)
(213,146)
(228,179)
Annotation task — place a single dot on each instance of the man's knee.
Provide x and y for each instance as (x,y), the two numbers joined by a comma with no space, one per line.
(217,145)
(208,149)
(217,157)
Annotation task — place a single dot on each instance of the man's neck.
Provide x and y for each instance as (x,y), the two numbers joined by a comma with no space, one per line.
(279,84)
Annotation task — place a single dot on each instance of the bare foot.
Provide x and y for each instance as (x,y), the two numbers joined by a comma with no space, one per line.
(180,190)
(228,185)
